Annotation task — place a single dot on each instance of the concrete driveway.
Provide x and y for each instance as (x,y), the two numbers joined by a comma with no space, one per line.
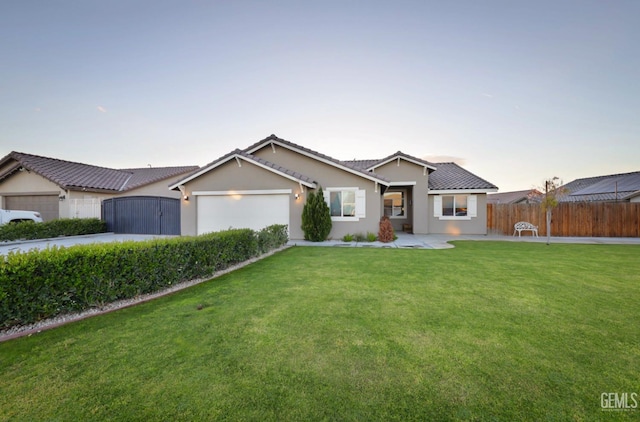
(26,245)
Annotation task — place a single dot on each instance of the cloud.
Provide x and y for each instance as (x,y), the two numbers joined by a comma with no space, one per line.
(487,95)
(102,109)
(445,159)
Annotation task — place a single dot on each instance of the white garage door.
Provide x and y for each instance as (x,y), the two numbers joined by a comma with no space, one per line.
(239,211)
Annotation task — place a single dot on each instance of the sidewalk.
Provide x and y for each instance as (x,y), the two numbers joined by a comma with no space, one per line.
(441,241)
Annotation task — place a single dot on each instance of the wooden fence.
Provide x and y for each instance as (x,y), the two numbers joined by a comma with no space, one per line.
(594,219)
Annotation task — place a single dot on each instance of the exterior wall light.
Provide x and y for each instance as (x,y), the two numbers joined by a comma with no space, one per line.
(183,191)
(297,196)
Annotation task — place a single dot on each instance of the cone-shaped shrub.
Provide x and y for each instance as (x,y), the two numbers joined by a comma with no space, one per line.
(386,233)
(316,217)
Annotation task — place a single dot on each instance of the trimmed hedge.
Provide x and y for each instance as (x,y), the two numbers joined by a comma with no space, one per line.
(28,230)
(42,284)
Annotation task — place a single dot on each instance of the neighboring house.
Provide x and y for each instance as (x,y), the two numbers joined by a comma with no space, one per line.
(634,197)
(624,187)
(268,182)
(530,196)
(64,189)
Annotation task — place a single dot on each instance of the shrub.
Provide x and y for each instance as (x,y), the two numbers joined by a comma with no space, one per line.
(386,233)
(359,237)
(347,238)
(272,237)
(316,217)
(29,230)
(371,237)
(44,283)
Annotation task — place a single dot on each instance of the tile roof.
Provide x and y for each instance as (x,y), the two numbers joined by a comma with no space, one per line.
(79,176)
(529,195)
(341,164)
(450,176)
(145,175)
(248,157)
(363,164)
(396,155)
(602,188)
(277,167)
(443,176)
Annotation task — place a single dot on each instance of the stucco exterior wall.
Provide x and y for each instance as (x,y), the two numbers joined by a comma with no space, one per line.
(329,176)
(476,225)
(228,177)
(417,201)
(28,183)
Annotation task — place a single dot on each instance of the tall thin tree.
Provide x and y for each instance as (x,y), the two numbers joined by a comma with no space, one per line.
(552,191)
(316,217)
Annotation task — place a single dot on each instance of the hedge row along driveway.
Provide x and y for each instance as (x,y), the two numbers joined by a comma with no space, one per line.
(41,284)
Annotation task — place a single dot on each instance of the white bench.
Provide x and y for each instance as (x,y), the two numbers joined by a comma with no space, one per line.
(523,225)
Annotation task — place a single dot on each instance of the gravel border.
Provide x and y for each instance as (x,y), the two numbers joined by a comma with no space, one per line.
(46,324)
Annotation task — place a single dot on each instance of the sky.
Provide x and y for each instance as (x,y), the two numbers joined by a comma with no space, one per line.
(515,91)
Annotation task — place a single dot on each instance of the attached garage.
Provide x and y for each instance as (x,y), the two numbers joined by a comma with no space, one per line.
(47,205)
(255,210)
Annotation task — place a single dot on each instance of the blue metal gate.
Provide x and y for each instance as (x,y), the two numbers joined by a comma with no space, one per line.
(142,215)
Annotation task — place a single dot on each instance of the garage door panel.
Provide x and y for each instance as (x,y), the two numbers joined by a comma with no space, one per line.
(221,212)
(46,205)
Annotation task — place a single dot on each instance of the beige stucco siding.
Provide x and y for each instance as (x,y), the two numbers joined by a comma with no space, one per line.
(25,183)
(328,176)
(405,171)
(476,225)
(160,188)
(28,183)
(232,177)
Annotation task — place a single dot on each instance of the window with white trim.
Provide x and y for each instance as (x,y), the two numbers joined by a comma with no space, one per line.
(394,204)
(454,205)
(450,207)
(345,204)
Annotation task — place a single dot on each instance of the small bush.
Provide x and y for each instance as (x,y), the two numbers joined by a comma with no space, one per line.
(359,237)
(347,238)
(28,230)
(386,233)
(371,237)
(272,237)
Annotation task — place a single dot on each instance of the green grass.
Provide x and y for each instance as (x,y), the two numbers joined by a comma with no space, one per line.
(484,331)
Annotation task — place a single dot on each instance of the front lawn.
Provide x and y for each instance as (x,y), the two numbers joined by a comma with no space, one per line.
(484,331)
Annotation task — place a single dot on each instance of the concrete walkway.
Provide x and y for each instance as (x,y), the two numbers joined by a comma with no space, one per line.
(441,241)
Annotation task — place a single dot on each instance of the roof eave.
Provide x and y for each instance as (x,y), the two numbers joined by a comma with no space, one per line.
(237,154)
(402,157)
(461,190)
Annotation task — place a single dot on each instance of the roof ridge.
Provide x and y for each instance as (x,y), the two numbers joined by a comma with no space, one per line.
(74,175)
(63,161)
(273,137)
